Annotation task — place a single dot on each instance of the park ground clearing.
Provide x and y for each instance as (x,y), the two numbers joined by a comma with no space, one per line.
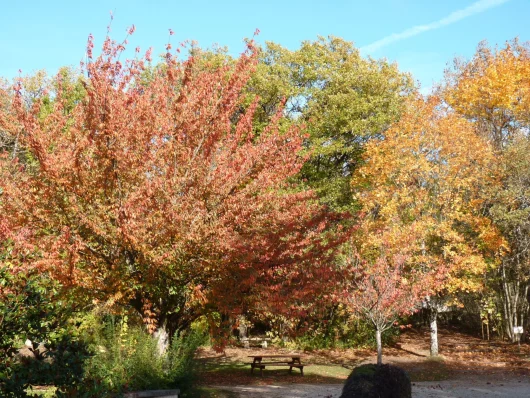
(467,367)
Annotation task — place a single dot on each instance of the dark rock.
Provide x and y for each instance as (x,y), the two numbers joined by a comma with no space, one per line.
(377,381)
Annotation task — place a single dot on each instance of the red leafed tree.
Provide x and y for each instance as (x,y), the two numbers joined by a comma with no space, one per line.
(153,190)
(384,287)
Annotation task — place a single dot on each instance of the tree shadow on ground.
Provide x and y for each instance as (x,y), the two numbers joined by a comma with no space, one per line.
(462,356)
(225,372)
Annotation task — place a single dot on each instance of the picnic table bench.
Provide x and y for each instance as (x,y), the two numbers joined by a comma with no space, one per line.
(292,360)
(255,341)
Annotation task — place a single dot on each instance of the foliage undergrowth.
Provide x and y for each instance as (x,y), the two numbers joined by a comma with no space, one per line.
(126,358)
(82,354)
(341,334)
(36,315)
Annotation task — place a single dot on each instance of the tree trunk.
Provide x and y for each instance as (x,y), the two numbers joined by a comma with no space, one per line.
(15,148)
(379,346)
(514,303)
(433,318)
(242,327)
(525,314)
(162,339)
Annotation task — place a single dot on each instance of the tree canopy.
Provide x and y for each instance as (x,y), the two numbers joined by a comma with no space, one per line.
(425,177)
(340,97)
(152,194)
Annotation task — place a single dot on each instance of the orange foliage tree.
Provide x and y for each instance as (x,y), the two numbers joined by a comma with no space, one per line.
(423,181)
(155,192)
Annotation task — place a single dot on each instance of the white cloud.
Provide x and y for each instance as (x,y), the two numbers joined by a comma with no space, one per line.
(475,8)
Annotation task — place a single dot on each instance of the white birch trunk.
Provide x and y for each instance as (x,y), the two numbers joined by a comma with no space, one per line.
(379,346)
(162,340)
(433,319)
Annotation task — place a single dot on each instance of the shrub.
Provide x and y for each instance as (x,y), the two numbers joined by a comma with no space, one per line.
(33,307)
(126,358)
(342,333)
(377,381)
(123,359)
(80,354)
(181,358)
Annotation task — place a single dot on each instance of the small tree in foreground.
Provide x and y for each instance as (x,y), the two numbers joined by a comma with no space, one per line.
(384,290)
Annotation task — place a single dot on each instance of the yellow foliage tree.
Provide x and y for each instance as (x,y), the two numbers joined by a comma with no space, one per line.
(422,181)
(493,90)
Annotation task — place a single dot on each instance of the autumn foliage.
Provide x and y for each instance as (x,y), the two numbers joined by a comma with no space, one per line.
(155,192)
(207,187)
(493,90)
(385,288)
(423,185)
(426,176)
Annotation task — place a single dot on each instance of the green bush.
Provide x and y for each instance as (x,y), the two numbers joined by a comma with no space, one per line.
(84,355)
(126,358)
(342,333)
(123,359)
(33,307)
(181,358)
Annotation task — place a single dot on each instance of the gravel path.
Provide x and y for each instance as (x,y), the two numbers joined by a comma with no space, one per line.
(470,388)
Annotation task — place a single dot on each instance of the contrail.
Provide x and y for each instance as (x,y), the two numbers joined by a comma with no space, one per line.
(475,8)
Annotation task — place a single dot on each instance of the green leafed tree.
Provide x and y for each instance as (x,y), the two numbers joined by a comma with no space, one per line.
(343,100)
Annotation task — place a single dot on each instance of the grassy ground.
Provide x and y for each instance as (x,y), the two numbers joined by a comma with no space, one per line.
(42,392)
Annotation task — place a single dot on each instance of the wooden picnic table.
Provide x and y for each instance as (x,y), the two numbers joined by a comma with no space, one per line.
(272,360)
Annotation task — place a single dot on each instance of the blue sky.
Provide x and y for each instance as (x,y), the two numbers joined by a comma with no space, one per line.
(422,36)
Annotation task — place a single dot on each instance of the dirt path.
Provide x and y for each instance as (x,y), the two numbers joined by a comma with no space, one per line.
(477,388)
